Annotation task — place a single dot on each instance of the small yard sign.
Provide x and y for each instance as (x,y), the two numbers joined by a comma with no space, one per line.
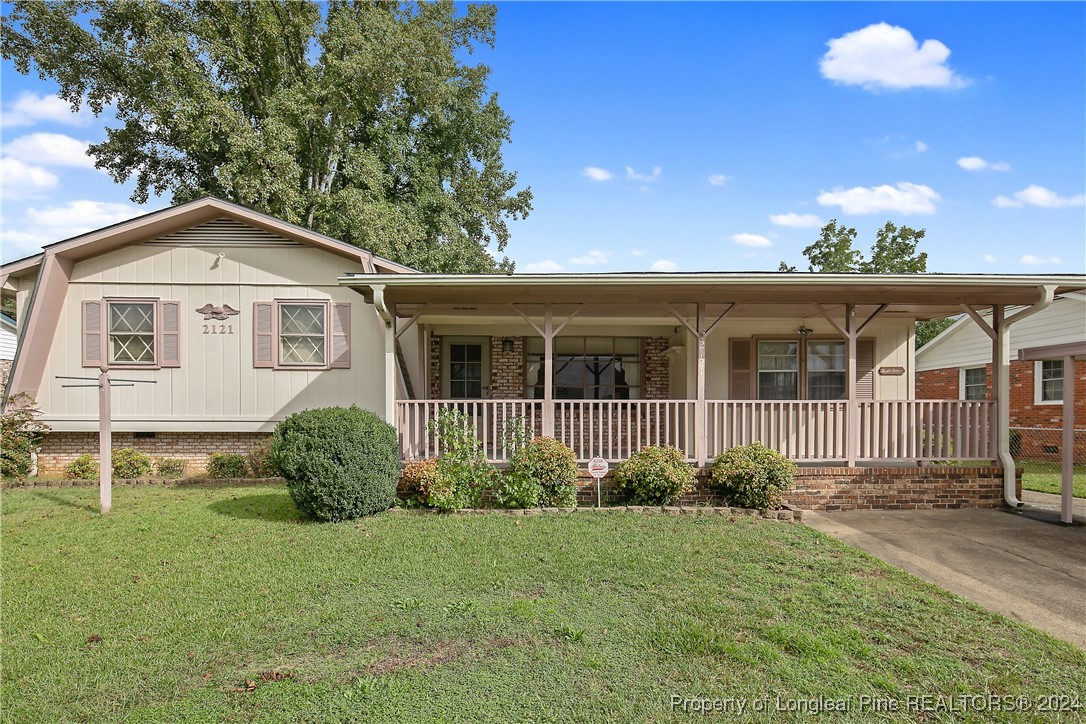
(597,468)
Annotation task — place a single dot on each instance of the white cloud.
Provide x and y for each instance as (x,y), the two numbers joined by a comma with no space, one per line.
(751,240)
(989,259)
(30,108)
(1038,260)
(597,174)
(904,198)
(20,180)
(1034,195)
(50,149)
(719,179)
(593,257)
(920,147)
(542,267)
(887,56)
(976,163)
(637,252)
(632,175)
(56,223)
(796,221)
(664,265)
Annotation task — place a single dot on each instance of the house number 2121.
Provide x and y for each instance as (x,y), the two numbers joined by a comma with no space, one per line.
(218,329)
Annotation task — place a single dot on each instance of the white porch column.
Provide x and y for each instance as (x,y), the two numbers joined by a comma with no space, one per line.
(997,374)
(852,416)
(548,376)
(390,352)
(1067,479)
(105,442)
(701,418)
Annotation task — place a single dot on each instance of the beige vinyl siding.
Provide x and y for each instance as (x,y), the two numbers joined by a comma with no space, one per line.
(966,345)
(216,387)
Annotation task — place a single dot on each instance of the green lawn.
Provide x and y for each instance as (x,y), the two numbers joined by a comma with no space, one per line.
(166,608)
(1047,477)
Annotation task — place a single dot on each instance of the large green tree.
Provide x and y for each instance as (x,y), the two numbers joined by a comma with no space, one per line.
(894,252)
(357,119)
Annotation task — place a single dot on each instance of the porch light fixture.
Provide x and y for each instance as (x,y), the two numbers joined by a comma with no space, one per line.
(804,330)
(507,346)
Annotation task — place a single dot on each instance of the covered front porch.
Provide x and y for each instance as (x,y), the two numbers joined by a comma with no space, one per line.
(819,367)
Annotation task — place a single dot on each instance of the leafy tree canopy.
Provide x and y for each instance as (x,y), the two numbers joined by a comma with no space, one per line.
(356,119)
(894,252)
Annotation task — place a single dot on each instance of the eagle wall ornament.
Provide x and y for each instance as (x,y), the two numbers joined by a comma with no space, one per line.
(212,312)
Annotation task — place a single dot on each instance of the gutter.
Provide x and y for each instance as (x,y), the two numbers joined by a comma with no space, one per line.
(1003,399)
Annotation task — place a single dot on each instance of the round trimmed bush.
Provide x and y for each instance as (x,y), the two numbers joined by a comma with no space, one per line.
(339,462)
(517,490)
(655,475)
(753,476)
(226,465)
(170,467)
(129,463)
(553,466)
(84,467)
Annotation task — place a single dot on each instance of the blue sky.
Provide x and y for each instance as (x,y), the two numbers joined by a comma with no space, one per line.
(720,136)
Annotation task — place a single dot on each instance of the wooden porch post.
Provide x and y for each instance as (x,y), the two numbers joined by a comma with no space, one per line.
(701,419)
(997,372)
(1067,479)
(852,416)
(388,314)
(548,372)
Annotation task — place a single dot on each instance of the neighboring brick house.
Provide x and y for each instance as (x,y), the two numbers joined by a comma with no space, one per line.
(957,365)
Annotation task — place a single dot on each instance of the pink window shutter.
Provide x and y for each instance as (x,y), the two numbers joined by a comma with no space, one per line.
(341,336)
(93,333)
(263,334)
(865,369)
(740,375)
(169,349)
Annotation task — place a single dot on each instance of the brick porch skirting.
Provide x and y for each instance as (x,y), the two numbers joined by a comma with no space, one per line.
(936,486)
(60,448)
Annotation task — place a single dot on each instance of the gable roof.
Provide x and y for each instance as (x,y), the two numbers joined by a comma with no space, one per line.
(184,216)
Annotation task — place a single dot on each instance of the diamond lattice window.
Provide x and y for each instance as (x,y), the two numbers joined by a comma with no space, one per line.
(301,334)
(132,332)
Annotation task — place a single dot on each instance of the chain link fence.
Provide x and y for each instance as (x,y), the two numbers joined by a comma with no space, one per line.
(1039,452)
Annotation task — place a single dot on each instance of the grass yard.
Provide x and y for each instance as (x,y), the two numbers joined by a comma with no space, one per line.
(216,603)
(1046,478)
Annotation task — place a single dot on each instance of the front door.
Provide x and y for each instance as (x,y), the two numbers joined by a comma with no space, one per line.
(465,373)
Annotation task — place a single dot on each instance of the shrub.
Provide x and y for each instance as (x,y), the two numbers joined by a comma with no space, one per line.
(517,490)
(463,471)
(170,467)
(129,463)
(418,476)
(553,467)
(261,462)
(21,434)
(655,476)
(226,465)
(339,462)
(84,467)
(753,476)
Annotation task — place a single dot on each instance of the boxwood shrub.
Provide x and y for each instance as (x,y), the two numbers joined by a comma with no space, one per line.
(170,467)
(84,467)
(227,465)
(655,475)
(752,476)
(129,463)
(551,465)
(339,462)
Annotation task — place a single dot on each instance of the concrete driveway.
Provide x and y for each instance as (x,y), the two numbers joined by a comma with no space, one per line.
(1026,569)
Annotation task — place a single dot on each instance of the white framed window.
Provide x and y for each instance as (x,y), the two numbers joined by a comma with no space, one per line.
(131,332)
(811,370)
(302,334)
(130,327)
(826,365)
(974,383)
(1048,382)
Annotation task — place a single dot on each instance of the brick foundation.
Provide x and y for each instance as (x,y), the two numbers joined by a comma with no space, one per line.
(60,448)
(927,488)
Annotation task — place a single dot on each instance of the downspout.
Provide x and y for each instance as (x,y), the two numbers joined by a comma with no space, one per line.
(1003,399)
(390,352)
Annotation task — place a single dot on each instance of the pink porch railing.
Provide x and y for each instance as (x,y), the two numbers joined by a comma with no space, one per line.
(805,430)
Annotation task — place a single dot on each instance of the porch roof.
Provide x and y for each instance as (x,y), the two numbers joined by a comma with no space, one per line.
(754,294)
